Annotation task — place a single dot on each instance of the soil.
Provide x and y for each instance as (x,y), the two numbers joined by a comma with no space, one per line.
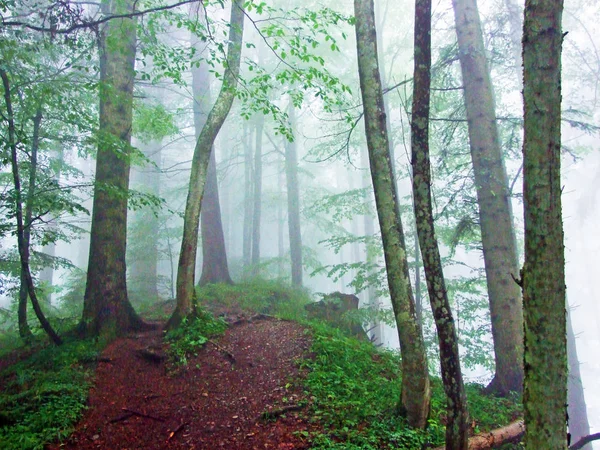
(242,391)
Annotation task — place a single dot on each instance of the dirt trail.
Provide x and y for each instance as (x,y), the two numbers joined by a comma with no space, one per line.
(217,402)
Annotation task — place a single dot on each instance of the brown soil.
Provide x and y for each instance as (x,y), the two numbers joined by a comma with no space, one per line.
(220,400)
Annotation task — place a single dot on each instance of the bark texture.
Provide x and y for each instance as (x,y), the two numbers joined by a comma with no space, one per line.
(543,279)
(457,426)
(415,398)
(106,307)
(216,118)
(293,200)
(495,214)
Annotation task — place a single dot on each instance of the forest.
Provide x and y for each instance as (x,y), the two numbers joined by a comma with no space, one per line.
(330,225)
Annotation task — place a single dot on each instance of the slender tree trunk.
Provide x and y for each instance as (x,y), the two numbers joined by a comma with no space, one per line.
(418,296)
(579,426)
(214,253)
(495,215)
(106,307)
(415,398)
(457,426)
(257,191)
(24,330)
(23,245)
(543,279)
(293,197)
(218,114)
(248,176)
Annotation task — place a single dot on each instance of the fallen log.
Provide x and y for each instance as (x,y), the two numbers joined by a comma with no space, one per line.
(491,439)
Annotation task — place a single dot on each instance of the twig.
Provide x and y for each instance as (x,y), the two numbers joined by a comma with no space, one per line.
(139,414)
(121,417)
(274,414)
(585,440)
(176,430)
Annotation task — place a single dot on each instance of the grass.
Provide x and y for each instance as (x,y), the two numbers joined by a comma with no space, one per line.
(354,390)
(44,395)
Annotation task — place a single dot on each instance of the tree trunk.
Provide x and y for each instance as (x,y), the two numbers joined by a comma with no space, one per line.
(216,117)
(495,215)
(248,176)
(543,279)
(457,426)
(214,253)
(415,397)
(293,198)
(24,330)
(106,307)
(257,191)
(143,269)
(578,420)
(511,433)
(22,244)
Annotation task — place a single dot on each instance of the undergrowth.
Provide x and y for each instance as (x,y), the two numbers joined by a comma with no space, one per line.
(354,391)
(44,395)
(257,295)
(185,340)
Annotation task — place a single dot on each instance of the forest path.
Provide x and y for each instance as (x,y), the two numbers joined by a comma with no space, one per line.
(217,401)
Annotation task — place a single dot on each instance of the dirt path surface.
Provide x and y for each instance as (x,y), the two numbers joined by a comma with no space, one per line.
(217,402)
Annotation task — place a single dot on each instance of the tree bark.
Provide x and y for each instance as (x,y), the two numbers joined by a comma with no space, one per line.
(495,438)
(495,215)
(216,118)
(257,192)
(457,426)
(415,397)
(293,198)
(543,279)
(106,307)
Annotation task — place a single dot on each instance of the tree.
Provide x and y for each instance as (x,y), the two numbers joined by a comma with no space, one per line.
(415,397)
(495,215)
(457,426)
(257,193)
(543,275)
(216,117)
(214,254)
(22,236)
(106,307)
(293,201)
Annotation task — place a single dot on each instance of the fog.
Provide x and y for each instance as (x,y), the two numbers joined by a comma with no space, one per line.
(332,163)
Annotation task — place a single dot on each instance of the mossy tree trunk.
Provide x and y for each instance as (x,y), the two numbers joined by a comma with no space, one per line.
(257,193)
(415,397)
(106,307)
(495,212)
(202,151)
(545,389)
(457,426)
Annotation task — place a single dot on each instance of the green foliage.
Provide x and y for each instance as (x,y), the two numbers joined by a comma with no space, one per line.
(193,333)
(354,389)
(45,395)
(257,295)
